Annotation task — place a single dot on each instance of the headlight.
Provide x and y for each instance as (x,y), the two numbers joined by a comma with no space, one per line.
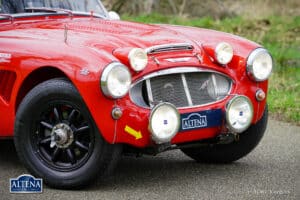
(164,122)
(260,64)
(239,114)
(224,53)
(115,80)
(138,59)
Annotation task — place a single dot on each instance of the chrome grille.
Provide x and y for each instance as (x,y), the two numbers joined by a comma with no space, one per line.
(184,89)
(197,83)
(170,89)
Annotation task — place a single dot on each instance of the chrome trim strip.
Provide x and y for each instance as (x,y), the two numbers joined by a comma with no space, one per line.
(186,90)
(213,77)
(169,47)
(179,70)
(175,60)
(149,91)
(42,14)
(200,58)
(156,60)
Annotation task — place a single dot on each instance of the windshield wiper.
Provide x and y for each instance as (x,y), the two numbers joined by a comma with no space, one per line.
(47,9)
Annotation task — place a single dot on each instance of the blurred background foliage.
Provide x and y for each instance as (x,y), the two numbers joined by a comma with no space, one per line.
(217,9)
(273,23)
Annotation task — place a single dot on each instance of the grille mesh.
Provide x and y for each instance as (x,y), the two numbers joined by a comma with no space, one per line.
(197,84)
(170,89)
(182,89)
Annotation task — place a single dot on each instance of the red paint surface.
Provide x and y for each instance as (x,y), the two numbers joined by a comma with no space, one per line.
(38,43)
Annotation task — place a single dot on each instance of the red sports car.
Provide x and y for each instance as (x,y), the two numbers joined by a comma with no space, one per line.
(79,88)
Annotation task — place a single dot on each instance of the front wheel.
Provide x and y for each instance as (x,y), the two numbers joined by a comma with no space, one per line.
(57,139)
(226,153)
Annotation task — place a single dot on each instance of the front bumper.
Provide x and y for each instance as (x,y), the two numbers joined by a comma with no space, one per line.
(133,127)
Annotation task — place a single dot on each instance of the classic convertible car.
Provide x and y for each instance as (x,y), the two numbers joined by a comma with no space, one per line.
(79,88)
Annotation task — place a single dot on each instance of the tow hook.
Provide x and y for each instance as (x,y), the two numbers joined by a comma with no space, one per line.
(228,138)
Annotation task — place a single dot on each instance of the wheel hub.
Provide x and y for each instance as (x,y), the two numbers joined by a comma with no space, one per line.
(62,136)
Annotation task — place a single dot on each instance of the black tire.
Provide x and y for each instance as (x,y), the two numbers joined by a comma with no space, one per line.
(57,140)
(226,153)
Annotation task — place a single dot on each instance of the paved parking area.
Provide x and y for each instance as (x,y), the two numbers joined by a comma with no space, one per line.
(271,171)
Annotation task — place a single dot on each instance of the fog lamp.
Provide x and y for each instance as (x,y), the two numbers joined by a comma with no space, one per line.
(224,53)
(239,114)
(138,59)
(164,122)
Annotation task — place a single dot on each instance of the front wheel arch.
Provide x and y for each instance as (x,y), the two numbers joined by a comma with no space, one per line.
(104,156)
(36,77)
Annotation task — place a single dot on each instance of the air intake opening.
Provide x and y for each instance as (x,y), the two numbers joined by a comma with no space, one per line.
(183,90)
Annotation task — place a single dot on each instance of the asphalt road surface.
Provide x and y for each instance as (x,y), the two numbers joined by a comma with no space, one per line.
(271,171)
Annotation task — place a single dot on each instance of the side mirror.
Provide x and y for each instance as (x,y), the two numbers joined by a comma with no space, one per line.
(113,15)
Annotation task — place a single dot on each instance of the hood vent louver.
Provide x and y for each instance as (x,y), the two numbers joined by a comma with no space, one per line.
(169,47)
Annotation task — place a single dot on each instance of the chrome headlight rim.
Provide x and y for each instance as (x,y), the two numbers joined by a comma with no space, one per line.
(155,136)
(229,105)
(138,59)
(105,85)
(220,54)
(250,64)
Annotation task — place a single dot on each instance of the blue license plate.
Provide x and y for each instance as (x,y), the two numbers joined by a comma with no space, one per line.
(203,119)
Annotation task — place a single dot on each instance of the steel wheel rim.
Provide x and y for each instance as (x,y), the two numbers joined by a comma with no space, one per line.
(75,149)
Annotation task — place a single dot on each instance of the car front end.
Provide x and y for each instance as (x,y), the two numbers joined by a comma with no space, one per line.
(182,93)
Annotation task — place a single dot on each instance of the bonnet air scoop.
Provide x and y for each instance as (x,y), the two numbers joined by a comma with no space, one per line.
(169,47)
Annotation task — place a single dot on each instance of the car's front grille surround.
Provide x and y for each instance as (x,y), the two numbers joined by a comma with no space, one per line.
(183,87)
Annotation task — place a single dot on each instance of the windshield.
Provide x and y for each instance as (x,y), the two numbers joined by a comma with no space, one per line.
(23,6)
